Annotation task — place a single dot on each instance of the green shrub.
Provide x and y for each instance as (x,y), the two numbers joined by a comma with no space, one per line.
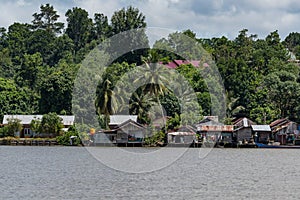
(4,131)
(64,139)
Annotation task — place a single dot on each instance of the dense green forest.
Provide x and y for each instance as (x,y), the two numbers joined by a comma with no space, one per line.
(39,62)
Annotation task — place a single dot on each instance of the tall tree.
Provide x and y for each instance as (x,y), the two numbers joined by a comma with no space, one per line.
(16,100)
(292,40)
(3,38)
(79,27)
(42,41)
(131,41)
(277,49)
(18,35)
(28,73)
(6,67)
(47,20)
(284,93)
(56,89)
(101,27)
(63,48)
(127,19)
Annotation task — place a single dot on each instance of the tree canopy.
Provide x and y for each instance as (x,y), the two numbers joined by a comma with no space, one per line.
(39,62)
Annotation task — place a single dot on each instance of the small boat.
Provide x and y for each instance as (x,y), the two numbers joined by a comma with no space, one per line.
(261,145)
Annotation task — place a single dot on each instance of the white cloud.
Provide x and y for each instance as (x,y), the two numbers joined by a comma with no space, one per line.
(23,3)
(11,12)
(226,17)
(22,10)
(206,18)
(101,6)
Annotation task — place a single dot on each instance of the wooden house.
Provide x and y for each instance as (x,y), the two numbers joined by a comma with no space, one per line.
(127,133)
(116,120)
(105,138)
(124,130)
(262,133)
(130,133)
(184,135)
(211,130)
(25,120)
(283,129)
(243,130)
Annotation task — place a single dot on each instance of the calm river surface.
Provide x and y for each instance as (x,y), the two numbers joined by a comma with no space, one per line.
(73,173)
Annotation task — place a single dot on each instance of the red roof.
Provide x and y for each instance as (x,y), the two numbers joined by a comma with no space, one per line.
(171,65)
(176,63)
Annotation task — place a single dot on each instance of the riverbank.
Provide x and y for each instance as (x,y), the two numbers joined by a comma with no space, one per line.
(28,141)
(13,141)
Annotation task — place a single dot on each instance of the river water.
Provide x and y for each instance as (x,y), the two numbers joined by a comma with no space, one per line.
(74,173)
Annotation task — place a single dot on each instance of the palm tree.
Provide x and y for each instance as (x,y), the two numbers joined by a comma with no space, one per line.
(121,96)
(105,102)
(140,104)
(155,78)
(191,110)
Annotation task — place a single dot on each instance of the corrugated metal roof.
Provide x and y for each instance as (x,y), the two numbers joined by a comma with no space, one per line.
(261,128)
(119,119)
(225,128)
(280,122)
(26,119)
(181,133)
(130,122)
(243,122)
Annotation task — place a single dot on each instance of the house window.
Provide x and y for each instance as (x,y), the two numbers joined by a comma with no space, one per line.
(27,132)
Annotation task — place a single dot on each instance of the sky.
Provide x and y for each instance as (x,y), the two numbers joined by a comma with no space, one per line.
(207,18)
